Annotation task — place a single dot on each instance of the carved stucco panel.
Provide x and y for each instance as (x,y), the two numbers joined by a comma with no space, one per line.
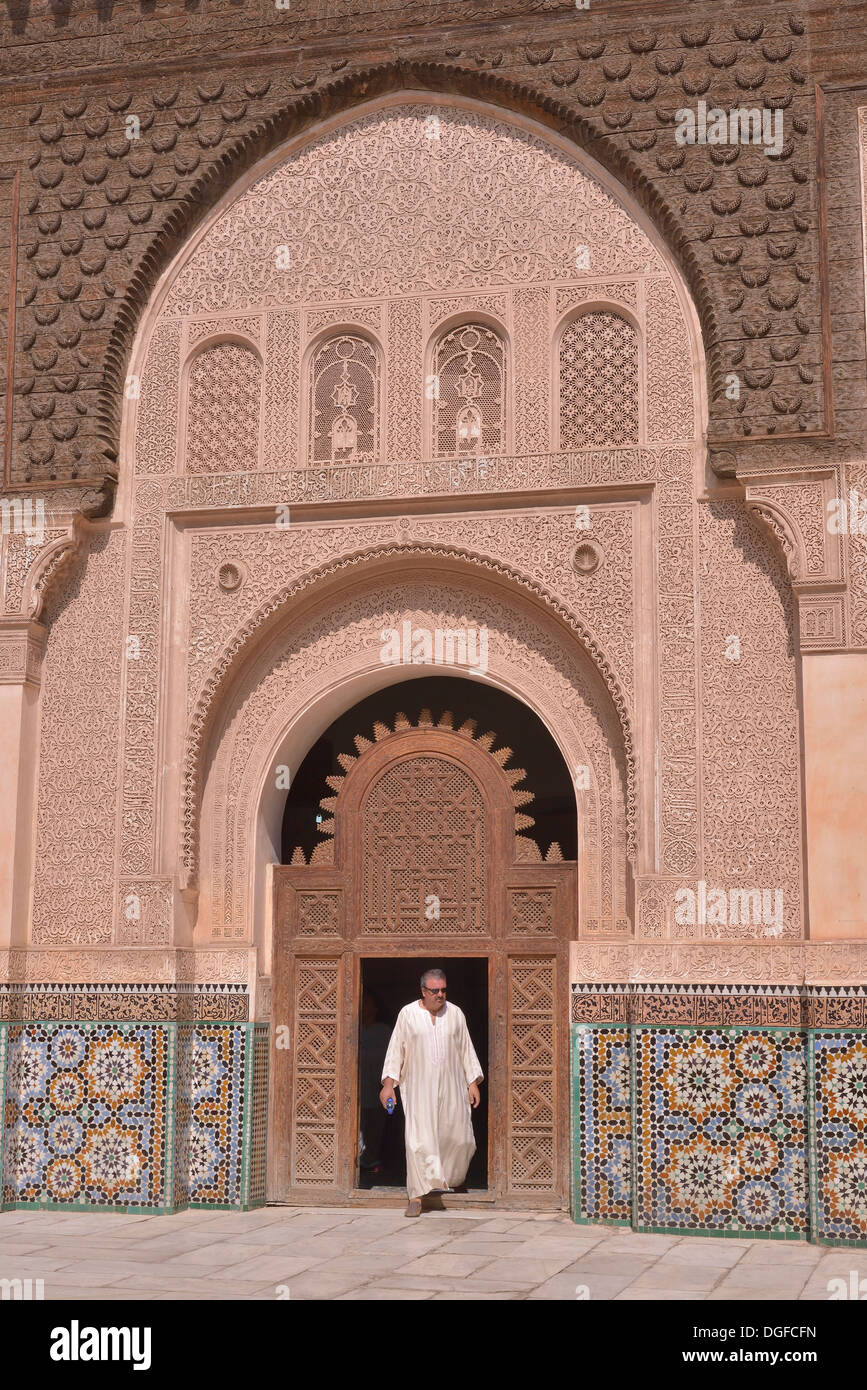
(246,327)
(625,292)
(281,448)
(498,306)
(76,819)
(483,204)
(677,677)
(856,552)
(145,912)
(25,556)
(751,823)
(541,544)
(803,503)
(331,315)
(532,374)
(157,409)
(671,370)
(143,683)
(405,367)
(521,643)
(803,962)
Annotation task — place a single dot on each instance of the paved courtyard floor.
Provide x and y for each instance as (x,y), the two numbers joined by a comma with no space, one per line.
(347,1253)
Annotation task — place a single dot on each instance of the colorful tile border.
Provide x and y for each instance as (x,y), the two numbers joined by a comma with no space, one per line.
(133,1116)
(721,1005)
(134,1003)
(602,1146)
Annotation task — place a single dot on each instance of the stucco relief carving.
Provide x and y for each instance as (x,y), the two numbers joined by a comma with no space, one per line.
(677,678)
(536,543)
(391,152)
(795,963)
(145,912)
(340,316)
(142,678)
(808,519)
(406,371)
(670,367)
(520,210)
(855,540)
(282,355)
(18,557)
(223,410)
(751,753)
(22,644)
(206,702)
(34,565)
(137,966)
(157,407)
(617,292)
(497,306)
(198,143)
(249,326)
(80,719)
(798,512)
(525,648)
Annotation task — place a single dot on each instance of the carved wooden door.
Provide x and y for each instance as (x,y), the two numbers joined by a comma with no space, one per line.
(424,859)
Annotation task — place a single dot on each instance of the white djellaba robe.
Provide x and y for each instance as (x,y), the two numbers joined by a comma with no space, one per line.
(432,1058)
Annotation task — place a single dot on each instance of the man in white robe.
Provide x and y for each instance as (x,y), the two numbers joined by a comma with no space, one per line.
(432,1059)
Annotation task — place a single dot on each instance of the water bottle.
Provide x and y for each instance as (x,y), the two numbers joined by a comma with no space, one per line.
(389,1105)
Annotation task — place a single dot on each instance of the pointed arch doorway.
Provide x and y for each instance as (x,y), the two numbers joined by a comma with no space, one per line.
(424,862)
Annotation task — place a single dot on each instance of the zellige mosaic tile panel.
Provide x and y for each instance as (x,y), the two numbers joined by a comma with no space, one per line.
(720,1133)
(602,1123)
(839,1062)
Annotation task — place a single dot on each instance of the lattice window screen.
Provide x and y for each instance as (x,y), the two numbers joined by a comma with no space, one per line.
(224,395)
(344,401)
(469,404)
(598,382)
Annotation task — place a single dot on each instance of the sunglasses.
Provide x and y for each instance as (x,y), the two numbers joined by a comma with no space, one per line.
(436,991)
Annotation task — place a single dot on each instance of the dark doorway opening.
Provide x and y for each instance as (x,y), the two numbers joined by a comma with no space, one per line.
(386,985)
(514,724)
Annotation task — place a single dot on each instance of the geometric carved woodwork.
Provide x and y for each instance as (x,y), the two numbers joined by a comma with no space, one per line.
(424,840)
(423,858)
(531,911)
(532,1074)
(314,1149)
(318,914)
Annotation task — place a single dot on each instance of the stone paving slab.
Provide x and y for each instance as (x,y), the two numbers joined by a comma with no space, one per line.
(377,1255)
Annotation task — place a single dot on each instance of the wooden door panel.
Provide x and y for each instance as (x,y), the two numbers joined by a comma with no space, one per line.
(531,1160)
(423,816)
(316,1069)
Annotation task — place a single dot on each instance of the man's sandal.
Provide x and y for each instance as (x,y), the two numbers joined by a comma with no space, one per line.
(413,1207)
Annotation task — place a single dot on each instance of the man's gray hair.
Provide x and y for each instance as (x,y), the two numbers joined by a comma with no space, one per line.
(434,974)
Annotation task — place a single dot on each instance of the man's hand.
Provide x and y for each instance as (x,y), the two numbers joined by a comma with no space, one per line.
(473,1093)
(387,1094)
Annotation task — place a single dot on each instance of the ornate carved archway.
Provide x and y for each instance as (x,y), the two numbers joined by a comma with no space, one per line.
(422,814)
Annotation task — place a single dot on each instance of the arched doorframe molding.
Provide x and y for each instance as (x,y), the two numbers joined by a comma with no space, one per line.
(256,633)
(276,139)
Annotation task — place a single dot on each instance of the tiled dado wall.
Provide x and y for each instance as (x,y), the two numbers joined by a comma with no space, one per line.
(720,1128)
(133,1116)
